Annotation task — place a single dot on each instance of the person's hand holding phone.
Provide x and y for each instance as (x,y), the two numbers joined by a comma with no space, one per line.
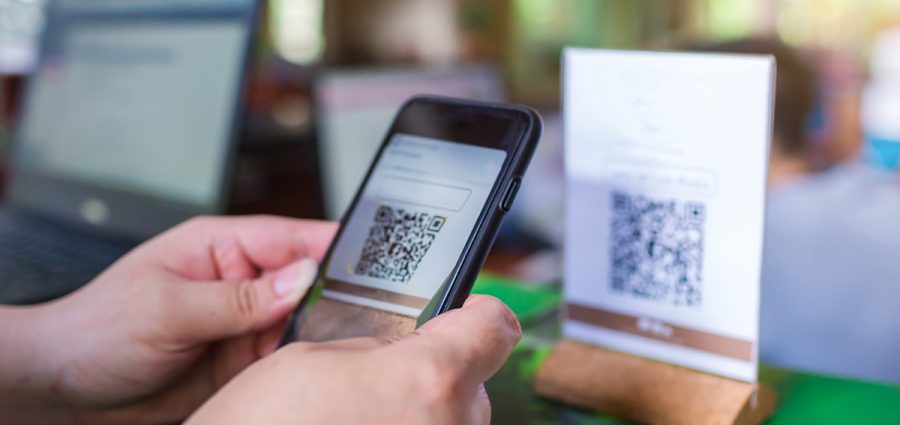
(434,376)
(156,334)
(415,236)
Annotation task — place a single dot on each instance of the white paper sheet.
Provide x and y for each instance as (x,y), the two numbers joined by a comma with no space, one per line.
(666,157)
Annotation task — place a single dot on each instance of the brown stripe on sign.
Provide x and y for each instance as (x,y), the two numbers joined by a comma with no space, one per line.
(376,294)
(654,329)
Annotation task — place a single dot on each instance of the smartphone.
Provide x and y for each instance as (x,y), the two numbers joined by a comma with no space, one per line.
(421,224)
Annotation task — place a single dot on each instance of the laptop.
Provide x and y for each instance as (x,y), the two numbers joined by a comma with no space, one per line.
(355,109)
(128,127)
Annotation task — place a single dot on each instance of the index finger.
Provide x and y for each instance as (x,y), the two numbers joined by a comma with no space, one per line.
(238,247)
(470,343)
(274,242)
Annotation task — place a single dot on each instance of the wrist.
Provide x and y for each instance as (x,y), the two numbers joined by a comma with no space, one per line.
(26,374)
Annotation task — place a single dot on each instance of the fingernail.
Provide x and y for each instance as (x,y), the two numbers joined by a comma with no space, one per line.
(293,282)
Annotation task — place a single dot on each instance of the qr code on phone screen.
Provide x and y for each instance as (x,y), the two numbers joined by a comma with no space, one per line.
(657,248)
(397,242)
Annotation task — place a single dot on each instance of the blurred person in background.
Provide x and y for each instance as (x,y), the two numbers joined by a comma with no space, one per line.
(795,96)
(831,280)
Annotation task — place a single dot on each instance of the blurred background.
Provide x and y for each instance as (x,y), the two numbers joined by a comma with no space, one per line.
(327,76)
(513,46)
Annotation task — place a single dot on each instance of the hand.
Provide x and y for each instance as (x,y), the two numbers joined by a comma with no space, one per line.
(434,376)
(162,329)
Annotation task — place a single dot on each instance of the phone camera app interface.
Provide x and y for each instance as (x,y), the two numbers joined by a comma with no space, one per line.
(411,224)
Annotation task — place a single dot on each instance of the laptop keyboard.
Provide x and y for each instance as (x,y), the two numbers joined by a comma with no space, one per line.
(41,260)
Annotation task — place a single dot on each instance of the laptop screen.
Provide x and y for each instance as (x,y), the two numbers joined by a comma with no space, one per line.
(137,96)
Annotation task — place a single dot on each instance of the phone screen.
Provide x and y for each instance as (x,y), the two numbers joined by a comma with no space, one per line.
(418,223)
(411,223)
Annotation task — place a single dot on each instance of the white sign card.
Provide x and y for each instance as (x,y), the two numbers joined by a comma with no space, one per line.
(666,161)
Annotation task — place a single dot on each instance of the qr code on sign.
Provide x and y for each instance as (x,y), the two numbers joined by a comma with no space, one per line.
(657,248)
(397,242)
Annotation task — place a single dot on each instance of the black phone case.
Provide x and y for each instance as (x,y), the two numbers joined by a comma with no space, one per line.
(483,239)
(476,250)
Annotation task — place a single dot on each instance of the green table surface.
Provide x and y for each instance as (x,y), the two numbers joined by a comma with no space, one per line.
(803,398)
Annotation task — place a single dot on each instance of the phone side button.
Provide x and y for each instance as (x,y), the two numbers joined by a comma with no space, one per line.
(511,192)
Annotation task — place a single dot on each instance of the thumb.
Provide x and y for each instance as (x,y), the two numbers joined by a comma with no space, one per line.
(208,311)
(469,344)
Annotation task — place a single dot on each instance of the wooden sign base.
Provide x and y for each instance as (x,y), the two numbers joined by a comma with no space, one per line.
(648,391)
